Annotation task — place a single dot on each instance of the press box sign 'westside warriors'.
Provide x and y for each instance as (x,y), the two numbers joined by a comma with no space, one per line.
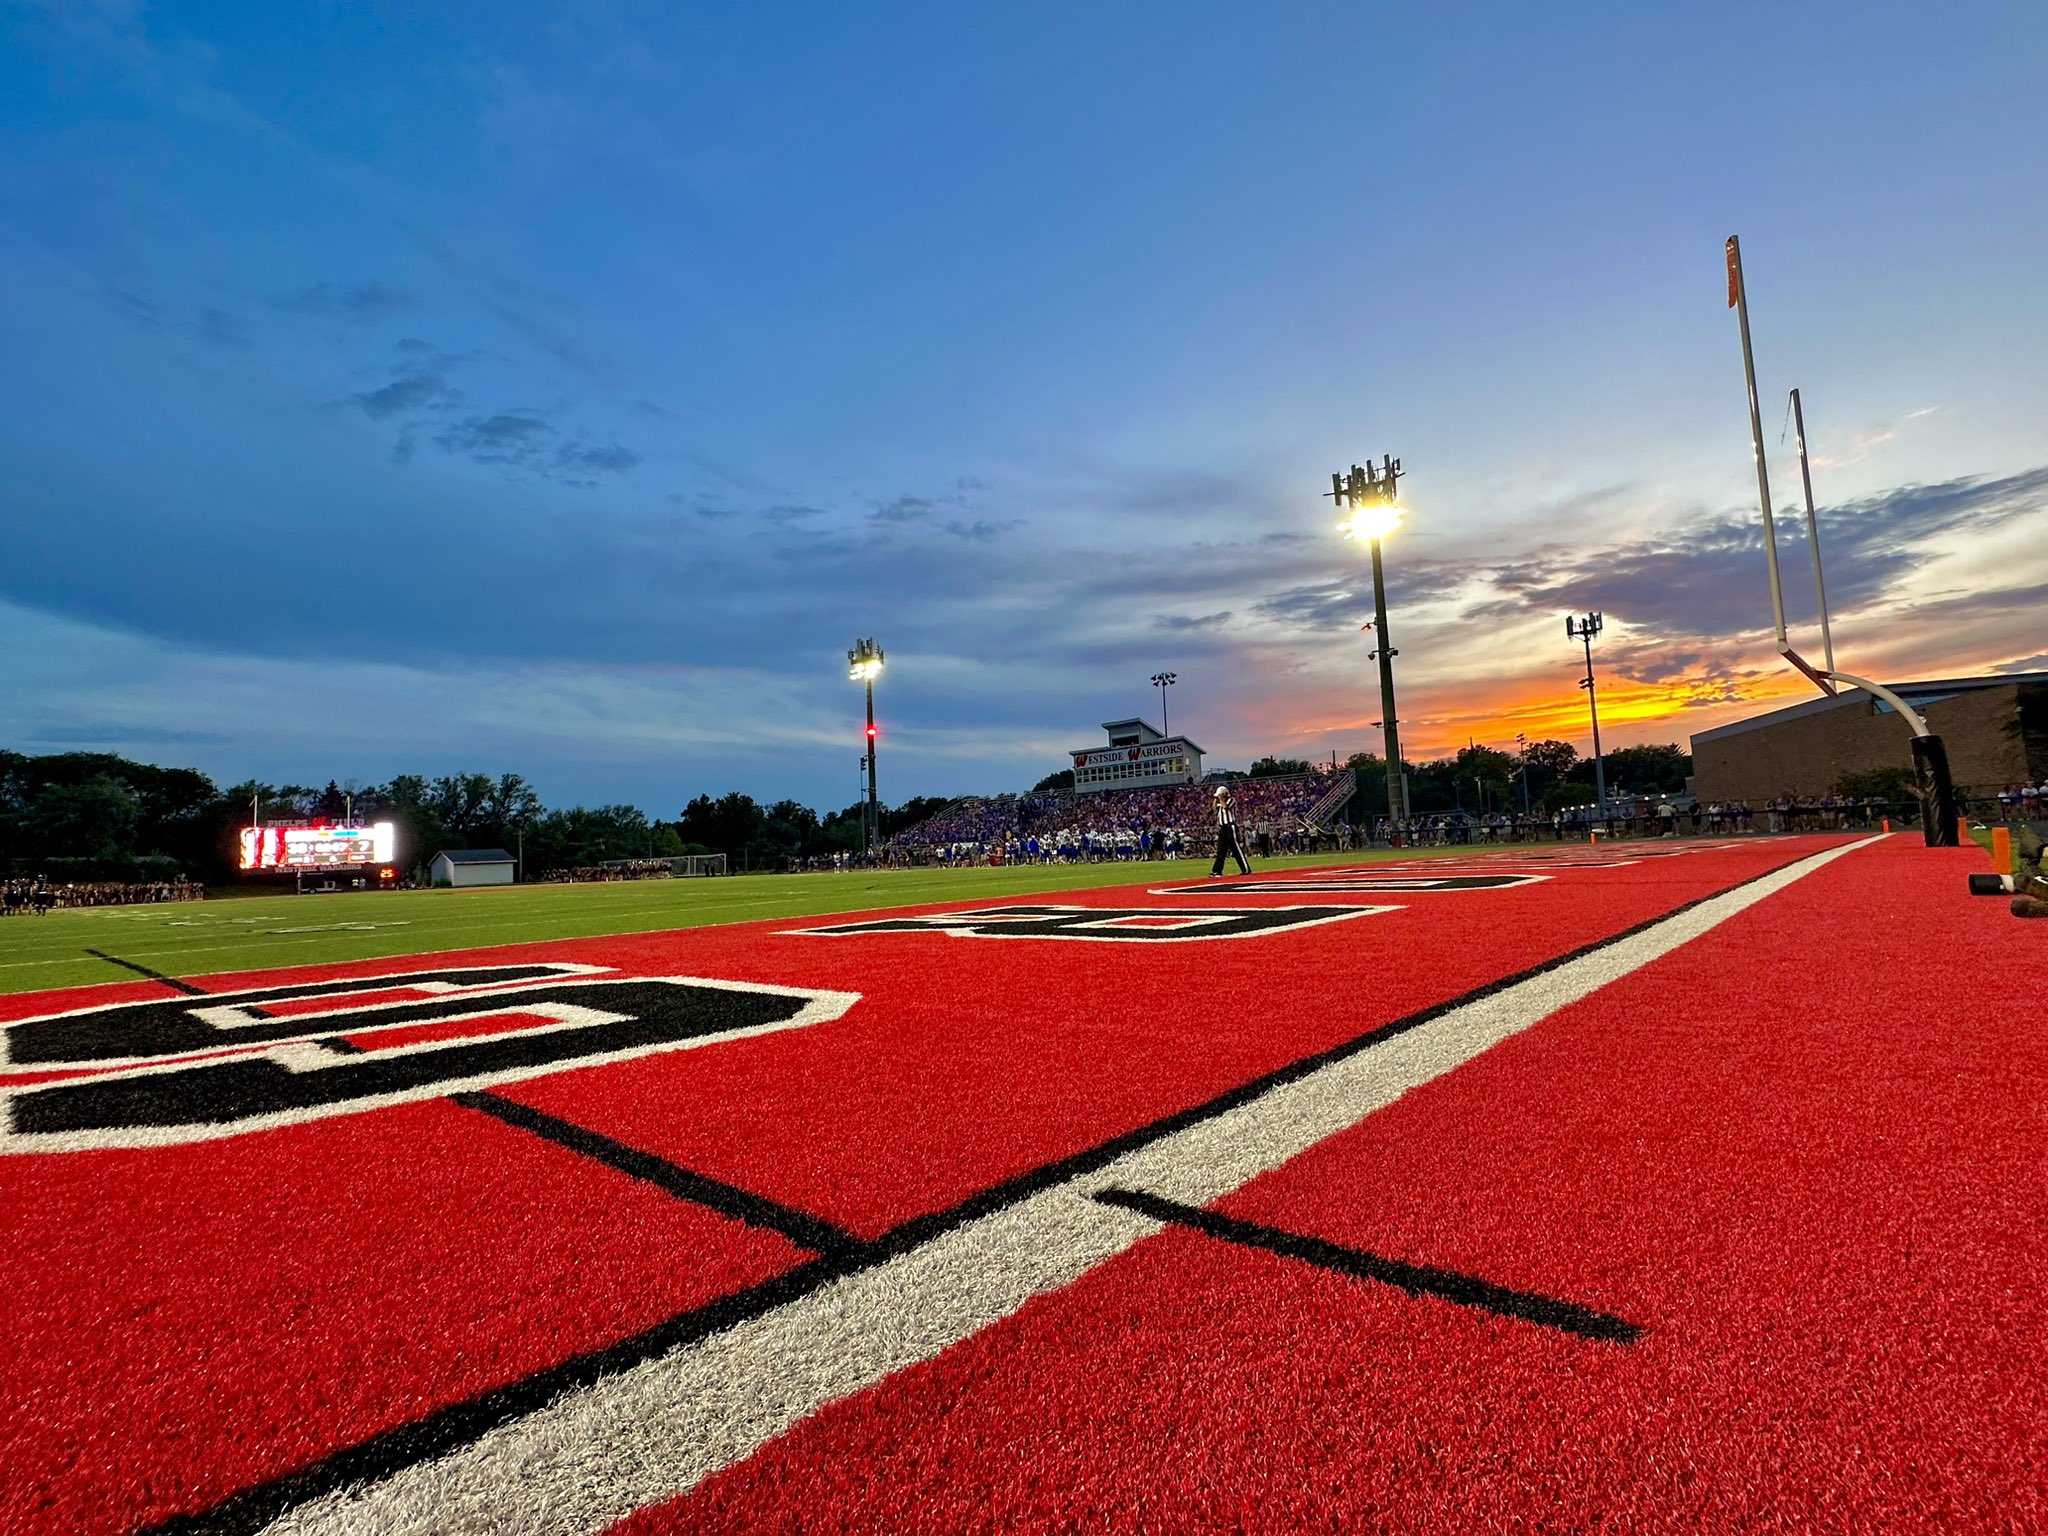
(1133,765)
(1158,750)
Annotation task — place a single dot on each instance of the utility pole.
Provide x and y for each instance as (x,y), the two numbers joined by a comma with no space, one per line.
(1522,741)
(1370,493)
(1585,630)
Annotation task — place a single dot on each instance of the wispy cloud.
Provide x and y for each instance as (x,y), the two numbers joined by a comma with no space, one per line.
(367,303)
(1863,443)
(902,509)
(404,395)
(609,457)
(527,443)
(982,530)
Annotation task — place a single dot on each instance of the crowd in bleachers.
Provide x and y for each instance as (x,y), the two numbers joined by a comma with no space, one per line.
(1062,826)
(35,895)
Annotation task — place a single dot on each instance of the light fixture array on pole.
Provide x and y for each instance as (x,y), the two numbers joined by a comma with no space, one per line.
(1163,681)
(863,665)
(1369,492)
(1585,629)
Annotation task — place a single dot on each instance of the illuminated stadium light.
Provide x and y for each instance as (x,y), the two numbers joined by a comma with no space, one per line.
(1372,520)
(864,661)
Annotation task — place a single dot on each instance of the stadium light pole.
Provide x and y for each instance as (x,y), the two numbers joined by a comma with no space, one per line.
(860,792)
(1163,681)
(1376,725)
(1585,629)
(863,665)
(1369,492)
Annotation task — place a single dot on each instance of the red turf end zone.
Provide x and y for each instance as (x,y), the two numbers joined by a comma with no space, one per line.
(970,1061)
(200,1319)
(182,1322)
(1812,1175)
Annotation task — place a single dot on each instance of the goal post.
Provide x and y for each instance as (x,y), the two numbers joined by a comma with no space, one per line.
(1938,808)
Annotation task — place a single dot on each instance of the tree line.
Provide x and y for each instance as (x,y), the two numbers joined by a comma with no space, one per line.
(97,816)
(1484,779)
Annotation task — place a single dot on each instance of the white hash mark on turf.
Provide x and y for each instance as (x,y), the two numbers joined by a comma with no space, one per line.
(596,1455)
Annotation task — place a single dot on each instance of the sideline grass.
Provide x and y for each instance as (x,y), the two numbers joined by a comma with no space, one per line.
(260,932)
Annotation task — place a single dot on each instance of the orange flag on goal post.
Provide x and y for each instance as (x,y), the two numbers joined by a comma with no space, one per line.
(1734,271)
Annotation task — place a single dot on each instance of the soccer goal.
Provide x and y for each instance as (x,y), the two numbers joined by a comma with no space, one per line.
(1938,810)
(697,864)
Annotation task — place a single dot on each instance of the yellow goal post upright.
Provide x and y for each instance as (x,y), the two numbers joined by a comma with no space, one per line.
(1938,810)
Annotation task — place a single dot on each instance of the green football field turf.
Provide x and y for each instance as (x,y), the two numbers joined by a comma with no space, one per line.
(261,932)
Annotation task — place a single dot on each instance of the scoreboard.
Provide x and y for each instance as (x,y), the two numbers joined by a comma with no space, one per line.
(316,845)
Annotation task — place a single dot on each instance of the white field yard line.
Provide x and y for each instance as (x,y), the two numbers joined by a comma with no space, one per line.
(595,1455)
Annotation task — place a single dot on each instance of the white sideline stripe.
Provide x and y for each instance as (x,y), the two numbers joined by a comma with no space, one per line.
(596,1455)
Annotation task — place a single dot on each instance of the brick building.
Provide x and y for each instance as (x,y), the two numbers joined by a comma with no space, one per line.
(1995,729)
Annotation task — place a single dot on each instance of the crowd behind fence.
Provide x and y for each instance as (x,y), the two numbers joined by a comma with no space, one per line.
(660,868)
(34,896)
(1672,816)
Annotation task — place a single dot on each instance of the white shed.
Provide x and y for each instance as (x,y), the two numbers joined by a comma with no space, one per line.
(471,866)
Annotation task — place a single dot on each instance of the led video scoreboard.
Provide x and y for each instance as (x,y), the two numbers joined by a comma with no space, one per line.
(289,846)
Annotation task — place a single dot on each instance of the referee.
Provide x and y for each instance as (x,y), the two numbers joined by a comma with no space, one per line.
(1227,843)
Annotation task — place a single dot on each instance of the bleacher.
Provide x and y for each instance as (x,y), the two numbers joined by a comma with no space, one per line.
(1288,803)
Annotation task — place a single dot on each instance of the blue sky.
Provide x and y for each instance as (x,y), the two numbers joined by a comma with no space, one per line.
(561,390)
